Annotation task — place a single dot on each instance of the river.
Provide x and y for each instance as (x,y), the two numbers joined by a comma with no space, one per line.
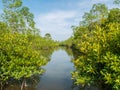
(58,72)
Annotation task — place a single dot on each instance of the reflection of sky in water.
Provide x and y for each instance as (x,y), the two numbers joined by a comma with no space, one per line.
(58,73)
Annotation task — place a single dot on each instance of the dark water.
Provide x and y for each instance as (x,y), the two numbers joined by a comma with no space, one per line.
(56,77)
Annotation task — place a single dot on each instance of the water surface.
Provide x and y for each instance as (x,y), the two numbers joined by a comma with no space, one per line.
(58,73)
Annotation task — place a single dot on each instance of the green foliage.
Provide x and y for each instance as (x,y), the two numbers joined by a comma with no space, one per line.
(3,27)
(18,57)
(114,15)
(41,43)
(100,58)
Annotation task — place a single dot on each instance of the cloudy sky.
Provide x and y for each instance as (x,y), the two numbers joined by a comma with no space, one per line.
(57,16)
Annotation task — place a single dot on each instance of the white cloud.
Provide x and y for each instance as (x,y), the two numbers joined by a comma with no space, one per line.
(57,23)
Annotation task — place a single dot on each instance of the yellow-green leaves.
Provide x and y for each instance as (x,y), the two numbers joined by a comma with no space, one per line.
(100,58)
(18,57)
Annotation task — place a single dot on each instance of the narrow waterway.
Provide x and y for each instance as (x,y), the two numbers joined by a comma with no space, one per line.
(58,72)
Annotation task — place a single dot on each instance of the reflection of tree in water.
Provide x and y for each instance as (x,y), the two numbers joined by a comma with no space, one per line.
(30,83)
(48,52)
(91,87)
(68,50)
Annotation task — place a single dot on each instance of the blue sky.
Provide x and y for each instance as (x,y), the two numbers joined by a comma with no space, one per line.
(57,16)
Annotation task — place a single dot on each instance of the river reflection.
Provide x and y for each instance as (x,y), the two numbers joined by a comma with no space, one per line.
(57,75)
(30,84)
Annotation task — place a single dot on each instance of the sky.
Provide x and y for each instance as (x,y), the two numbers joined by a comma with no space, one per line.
(57,16)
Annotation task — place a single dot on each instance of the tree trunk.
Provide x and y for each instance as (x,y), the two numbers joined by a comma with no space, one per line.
(1,86)
(23,83)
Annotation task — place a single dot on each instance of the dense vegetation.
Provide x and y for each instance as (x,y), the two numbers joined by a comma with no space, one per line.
(98,39)
(21,46)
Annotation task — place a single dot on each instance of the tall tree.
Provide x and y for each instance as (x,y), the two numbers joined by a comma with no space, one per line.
(17,17)
(100,11)
(97,13)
